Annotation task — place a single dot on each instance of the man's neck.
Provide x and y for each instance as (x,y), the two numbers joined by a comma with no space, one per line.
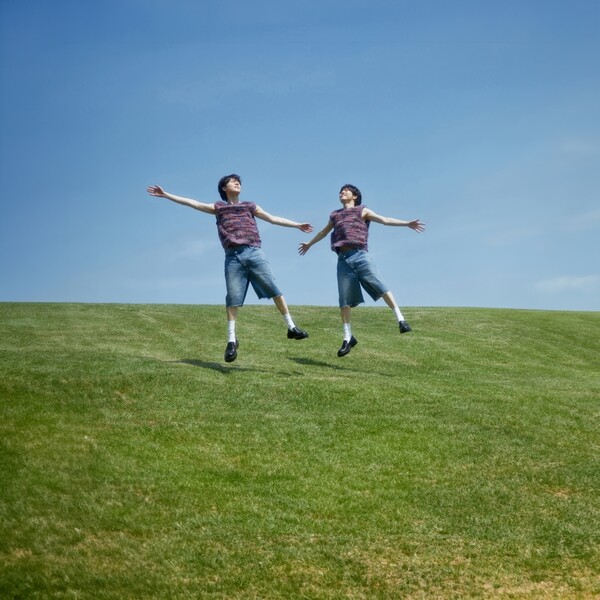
(233,198)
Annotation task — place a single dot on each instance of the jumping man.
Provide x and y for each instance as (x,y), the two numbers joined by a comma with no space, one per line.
(245,262)
(355,268)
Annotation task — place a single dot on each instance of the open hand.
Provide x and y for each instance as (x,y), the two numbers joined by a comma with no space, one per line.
(417,225)
(303,249)
(156,190)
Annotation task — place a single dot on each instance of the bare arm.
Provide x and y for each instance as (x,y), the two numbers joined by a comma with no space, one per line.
(265,216)
(369,215)
(304,248)
(156,190)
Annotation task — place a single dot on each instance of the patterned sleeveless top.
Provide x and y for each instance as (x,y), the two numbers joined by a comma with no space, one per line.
(349,229)
(236,224)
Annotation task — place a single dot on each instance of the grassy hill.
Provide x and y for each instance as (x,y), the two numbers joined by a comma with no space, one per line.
(460,460)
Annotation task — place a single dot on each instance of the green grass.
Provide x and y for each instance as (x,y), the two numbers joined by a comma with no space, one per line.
(461,460)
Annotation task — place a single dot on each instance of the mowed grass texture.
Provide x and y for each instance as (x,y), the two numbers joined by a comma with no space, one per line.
(459,460)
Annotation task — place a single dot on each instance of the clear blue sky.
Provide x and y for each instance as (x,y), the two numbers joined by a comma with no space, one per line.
(480,118)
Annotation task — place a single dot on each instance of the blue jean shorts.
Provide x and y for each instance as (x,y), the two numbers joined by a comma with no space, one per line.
(355,268)
(246,265)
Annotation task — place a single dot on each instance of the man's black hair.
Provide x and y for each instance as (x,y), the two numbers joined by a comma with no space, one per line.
(224,181)
(354,191)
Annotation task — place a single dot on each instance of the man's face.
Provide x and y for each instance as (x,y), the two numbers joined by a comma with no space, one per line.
(346,196)
(233,186)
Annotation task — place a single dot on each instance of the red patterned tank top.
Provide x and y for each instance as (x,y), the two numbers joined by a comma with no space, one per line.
(236,224)
(349,228)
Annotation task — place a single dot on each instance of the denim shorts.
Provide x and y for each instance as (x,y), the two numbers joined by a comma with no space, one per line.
(355,268)
(245,265)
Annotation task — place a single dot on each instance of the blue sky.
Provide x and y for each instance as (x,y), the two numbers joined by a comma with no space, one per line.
(481,118)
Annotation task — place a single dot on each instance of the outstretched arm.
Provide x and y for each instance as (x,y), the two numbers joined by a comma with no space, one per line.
(304,248)
(265,216)
(156,190)
(416,225)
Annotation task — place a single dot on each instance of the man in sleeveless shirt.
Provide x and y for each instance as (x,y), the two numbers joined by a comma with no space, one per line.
(245,262)
(355,268)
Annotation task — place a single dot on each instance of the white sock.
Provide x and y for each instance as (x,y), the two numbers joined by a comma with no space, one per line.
(288,321)
(231,331)
(398,313)
(347,332)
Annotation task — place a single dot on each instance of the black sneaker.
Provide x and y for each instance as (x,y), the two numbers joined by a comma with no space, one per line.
(297,334)
(347,346)
(404,327)
(231,351)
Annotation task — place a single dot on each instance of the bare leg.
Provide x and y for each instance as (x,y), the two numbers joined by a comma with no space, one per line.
(390,300)
(345,310)
(232,312)
(281,305)
(293,331)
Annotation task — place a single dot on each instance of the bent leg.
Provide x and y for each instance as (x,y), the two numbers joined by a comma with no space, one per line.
(281,305)
(389,299)
(294,333)
(391,302)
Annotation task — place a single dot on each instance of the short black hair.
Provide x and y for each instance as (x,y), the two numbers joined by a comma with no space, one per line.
(224,181)
(355,191)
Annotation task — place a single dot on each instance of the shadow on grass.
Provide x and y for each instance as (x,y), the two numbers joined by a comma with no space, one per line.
(309,362)
(210,365)
(228,369)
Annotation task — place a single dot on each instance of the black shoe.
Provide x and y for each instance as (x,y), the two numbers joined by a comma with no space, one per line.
(231,351)
(404,327)
(347,346)
(297,334)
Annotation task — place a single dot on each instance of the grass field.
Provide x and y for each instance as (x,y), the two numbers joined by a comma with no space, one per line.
(460,460)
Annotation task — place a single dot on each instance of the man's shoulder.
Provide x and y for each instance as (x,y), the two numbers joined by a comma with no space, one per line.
(350,211)
(242,205)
